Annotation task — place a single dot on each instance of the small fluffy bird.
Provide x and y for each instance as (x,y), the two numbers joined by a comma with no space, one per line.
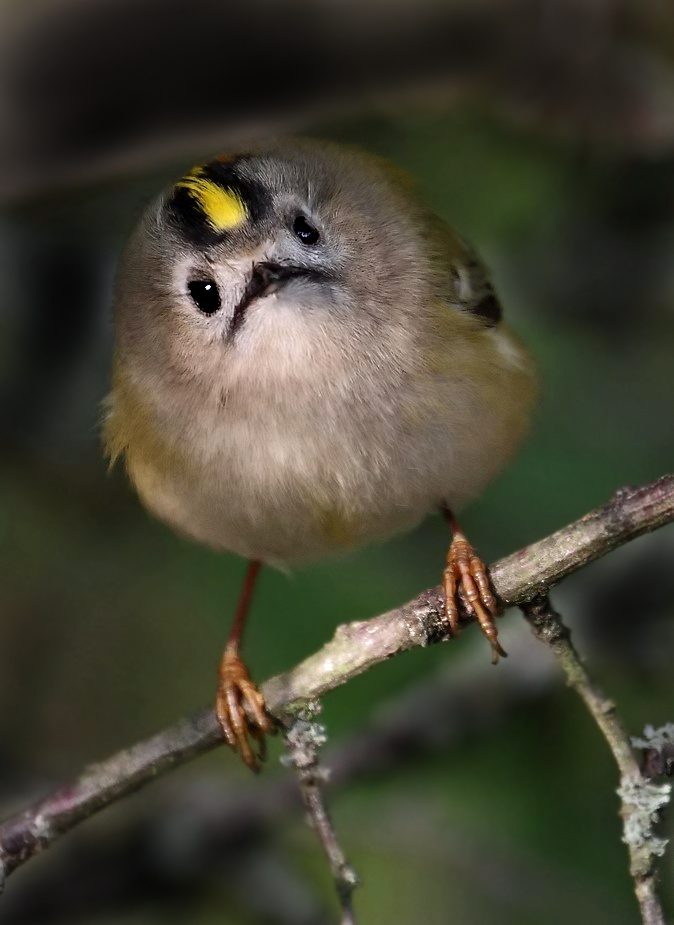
(308,359)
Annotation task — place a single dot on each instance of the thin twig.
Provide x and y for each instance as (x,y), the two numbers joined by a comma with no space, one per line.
(426,718)
(641,799)
(354,648)
(304,738)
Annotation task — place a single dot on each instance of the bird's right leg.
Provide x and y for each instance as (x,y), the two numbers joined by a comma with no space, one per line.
(239,704)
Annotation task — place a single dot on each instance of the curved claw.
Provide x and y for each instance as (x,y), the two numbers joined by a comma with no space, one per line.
(466,577)
(241,712)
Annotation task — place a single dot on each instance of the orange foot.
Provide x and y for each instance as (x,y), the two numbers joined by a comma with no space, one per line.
(240,710)
(466,577)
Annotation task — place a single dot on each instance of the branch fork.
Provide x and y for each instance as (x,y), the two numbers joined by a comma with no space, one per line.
(521,579)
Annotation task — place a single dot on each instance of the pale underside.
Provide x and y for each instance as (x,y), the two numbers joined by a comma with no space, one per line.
(284,462)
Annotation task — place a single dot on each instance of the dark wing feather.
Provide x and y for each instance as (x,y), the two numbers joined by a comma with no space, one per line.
(473,291)
(470,288)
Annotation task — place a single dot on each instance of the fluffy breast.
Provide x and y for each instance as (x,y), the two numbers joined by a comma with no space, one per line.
(293,470)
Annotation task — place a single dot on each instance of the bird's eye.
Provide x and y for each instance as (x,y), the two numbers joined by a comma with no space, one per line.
(305,232)
(205,295)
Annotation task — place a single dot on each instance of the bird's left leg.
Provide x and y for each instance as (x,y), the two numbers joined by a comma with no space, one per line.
(466,577)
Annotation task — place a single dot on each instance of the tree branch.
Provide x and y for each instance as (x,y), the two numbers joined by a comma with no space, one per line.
(355,647)
(420,721)
(641,799)
(304,737)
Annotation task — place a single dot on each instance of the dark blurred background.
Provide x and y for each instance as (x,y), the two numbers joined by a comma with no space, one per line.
(543,130)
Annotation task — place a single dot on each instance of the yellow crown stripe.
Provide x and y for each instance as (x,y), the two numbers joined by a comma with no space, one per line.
(223,209)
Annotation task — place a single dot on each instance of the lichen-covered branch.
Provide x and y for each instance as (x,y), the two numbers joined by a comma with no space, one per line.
(304,738)
(641,798)
(420,721)
(355,648)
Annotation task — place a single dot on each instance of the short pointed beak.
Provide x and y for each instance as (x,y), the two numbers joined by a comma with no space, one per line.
(265,279)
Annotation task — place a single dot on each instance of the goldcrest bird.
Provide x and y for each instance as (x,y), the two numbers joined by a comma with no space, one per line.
(308,359)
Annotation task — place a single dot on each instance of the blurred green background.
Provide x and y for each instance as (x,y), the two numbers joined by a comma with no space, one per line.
(111,627)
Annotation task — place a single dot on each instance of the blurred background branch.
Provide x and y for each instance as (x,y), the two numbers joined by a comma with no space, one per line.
(192,75)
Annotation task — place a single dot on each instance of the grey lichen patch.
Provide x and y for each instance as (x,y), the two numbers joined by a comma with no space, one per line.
(658,738)
(657,747)
(304,738)
(644,801)
(349,877)
(42,828)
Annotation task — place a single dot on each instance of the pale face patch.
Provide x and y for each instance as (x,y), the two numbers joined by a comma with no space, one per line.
(223,209)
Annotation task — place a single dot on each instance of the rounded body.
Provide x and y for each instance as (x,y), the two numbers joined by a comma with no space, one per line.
(349,403)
